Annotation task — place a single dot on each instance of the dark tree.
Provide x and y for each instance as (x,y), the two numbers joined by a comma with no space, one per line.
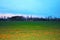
(17,18)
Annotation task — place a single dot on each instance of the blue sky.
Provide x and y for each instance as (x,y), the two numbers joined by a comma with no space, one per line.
(31,7)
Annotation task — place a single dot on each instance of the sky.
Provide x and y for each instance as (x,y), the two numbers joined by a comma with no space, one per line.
(40,8)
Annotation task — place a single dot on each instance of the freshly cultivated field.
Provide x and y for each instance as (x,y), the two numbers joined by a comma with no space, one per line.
(42,30)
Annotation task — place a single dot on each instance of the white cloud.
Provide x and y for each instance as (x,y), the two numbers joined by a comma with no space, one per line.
(17,14)
(6,14)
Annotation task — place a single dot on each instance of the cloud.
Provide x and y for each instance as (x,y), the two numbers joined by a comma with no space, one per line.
(17,14)
(6,14)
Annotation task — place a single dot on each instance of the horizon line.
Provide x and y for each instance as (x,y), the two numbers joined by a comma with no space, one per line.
(25,15)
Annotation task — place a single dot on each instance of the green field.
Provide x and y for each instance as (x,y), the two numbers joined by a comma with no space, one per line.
(41,30)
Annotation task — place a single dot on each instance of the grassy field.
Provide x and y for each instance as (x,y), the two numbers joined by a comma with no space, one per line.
(42,30)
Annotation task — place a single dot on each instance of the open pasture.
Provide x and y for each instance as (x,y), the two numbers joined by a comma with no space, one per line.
(43,30)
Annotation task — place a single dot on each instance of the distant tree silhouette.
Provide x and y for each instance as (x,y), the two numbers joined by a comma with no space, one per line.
(17,18)
(22,18)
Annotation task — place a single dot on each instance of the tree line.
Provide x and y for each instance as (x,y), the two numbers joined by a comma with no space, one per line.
(22,18)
